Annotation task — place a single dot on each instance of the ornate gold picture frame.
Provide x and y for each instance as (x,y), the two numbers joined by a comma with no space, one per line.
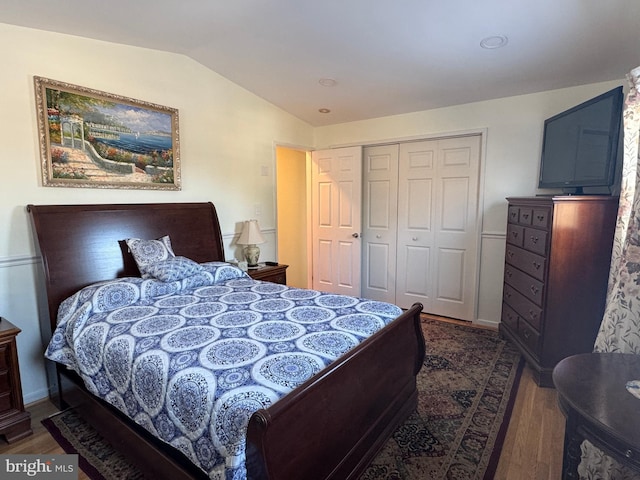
(95,139)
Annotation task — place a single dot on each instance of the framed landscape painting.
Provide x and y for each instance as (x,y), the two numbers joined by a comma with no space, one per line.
(95,139)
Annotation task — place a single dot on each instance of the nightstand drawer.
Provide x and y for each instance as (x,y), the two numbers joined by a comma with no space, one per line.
(5,381)
(4,357)
(279,278)
(5,402)
(270,273)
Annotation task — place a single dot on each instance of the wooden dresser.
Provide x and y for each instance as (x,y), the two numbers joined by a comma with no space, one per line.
(556,272)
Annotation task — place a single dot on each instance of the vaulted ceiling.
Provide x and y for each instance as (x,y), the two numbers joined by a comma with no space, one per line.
(361,58)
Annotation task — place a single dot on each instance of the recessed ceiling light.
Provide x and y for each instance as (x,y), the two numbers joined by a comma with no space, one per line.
(327,82)
(324,110)
(495,41)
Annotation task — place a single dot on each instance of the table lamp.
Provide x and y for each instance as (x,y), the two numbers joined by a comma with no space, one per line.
(250,236)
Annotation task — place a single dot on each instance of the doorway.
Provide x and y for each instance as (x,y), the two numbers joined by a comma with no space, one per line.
(291,213)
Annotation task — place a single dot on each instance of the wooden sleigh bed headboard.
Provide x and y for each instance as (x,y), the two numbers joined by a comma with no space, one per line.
(84,244)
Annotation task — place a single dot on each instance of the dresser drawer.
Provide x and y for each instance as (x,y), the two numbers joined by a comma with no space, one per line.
(515,235)
(525,284)
(509,317)
(529,337)
(523,307)
(528,262)
(514,214)
(541,218)
(520,215)
(526,214)
(535,240)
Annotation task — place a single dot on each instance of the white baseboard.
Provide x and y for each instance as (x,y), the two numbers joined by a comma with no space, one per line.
(487,323)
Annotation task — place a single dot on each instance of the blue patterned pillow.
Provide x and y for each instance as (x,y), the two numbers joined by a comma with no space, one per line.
(174,268)
(222,271)
(149,252)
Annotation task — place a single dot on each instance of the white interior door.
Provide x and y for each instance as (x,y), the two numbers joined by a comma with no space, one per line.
(380,222)
(336,184)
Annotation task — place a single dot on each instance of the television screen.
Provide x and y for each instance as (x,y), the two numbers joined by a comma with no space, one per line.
(580,145)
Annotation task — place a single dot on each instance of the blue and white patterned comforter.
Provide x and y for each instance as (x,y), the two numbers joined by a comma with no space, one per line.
(191,360)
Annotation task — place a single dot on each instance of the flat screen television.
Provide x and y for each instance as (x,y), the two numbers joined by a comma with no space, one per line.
(580,145)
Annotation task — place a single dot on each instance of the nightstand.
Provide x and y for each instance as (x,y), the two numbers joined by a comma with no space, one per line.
(269,273)
(15,422)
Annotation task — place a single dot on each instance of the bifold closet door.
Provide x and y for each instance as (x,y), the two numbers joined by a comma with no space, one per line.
(380,222)
(437,241)
(420,227)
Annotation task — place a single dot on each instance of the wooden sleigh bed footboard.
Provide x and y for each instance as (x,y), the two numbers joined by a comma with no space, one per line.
(330,427)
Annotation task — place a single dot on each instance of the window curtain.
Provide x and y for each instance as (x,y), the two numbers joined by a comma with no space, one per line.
(620,328)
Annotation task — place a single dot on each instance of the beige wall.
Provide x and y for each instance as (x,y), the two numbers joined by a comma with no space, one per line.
(511,158)
(292,214)
(227,138)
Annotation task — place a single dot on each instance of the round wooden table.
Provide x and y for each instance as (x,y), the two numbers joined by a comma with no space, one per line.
(592,395)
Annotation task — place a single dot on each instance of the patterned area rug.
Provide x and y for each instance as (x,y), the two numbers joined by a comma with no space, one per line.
(467,387)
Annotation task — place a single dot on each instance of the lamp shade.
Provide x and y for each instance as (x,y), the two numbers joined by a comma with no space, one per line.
(251,234)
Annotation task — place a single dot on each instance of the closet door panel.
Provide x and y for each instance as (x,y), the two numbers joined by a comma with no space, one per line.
(456,228)
(379,226)
(450,284)
(416,175)
(414,282)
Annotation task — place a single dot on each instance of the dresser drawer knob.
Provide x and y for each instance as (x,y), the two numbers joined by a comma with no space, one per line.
(534,289)
(510,253)
(514,234)
(532,315)
(526,334)
(536,265)
(534,239)
(540,218)
(628,454)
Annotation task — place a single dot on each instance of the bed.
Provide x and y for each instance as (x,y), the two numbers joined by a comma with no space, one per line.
(329,426)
